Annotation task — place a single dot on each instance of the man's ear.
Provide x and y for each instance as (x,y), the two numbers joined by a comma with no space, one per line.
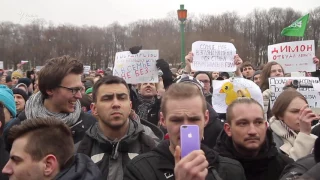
(227,129)
(94,109)
(162,121)
(49,92)
(206,118)
(50,165)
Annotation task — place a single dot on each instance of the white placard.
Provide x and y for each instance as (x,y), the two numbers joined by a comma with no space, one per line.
(86,69)
(293,56)
(226,91)
(298,74)
(213,56)
(137,68)
(276,86)
(38,68)
(1,64)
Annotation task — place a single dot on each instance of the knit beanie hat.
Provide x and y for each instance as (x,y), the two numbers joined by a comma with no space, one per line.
(16,74)
(21,92)
(25,81)
(6,97)
(191,79)
(21,84)
(88,91)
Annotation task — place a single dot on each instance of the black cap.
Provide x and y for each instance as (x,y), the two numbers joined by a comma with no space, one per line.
(21,92)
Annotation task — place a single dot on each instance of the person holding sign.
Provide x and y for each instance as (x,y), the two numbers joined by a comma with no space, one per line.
(291,124)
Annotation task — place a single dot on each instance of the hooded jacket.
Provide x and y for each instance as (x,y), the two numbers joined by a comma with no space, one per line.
(267,165)
(159,165)
(80,167)
(112,156)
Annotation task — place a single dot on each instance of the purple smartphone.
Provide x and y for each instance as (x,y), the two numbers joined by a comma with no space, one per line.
(189,139)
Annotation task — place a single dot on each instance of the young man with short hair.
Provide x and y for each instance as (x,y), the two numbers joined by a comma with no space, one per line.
(247,139)
(183,104)
(247,70)
(60,88)
(43,149)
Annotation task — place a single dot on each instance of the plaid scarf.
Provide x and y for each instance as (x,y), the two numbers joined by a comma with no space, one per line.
(144,106)
(282,130)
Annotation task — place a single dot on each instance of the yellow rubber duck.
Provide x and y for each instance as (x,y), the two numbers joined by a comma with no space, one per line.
(232,95)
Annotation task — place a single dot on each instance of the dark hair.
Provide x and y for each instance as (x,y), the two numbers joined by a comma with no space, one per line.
(203,72)
(179,91)
(45,136)
(283,100)
(241,100)
(265,74)
(86,101)
(2,118)
(52,74)
(107,80)
(246,64)
(317,150)
(29,73)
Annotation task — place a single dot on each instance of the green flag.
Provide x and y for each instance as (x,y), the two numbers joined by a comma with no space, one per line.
(297,28)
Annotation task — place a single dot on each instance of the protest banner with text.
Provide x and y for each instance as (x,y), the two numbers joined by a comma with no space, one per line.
(137,68)
(213,56)
(86,69)
(293,56)
(304,84)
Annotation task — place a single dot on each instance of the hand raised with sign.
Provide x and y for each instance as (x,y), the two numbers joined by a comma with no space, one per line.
(237,61)
(135,49)
(189,60)
(194,166)
(306,116)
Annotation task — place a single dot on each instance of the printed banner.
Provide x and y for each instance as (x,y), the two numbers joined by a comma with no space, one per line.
(226,91)
(1,64)
(137,68)
(305,87)
(213,56)
(293,56)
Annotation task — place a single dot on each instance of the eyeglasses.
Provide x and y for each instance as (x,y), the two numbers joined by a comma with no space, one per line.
(205,81)
(72,90)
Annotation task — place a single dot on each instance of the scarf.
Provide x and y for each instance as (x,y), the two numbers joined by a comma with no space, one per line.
(144,106)
(282,130)
(35,108)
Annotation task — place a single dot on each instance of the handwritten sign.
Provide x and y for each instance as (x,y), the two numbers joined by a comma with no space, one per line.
(86,69)
(1,64)
(307,89)
(293,56)
(213,56)
(226,91)
(137,68)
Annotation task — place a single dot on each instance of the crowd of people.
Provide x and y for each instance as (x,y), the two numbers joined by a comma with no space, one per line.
(59,123)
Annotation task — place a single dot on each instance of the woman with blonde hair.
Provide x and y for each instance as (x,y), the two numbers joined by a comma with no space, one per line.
(291,124)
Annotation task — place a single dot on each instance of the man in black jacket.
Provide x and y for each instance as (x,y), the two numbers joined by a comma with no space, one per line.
(60,90)
(42,148)
(245,138)
(182,104)
(117,137)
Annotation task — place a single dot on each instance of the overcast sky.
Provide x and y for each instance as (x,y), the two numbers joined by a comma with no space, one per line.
(104,12)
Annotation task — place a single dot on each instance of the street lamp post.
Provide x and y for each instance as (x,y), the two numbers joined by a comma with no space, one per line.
(182,15)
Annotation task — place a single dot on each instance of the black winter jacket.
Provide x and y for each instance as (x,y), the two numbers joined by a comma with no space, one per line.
(80,167)
(78,129)
(267,165)
(305,167)
(159,165)
(114,156)
(4,157)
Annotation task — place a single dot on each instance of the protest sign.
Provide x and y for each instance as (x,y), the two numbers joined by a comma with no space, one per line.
(38,68)
(213,56)
(305,87)
(1,64)
(137,68)
(293,56)
(86,69)
(226,91)
(298,74)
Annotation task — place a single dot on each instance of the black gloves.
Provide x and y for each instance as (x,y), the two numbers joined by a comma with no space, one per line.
(135,49)
(167,74)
